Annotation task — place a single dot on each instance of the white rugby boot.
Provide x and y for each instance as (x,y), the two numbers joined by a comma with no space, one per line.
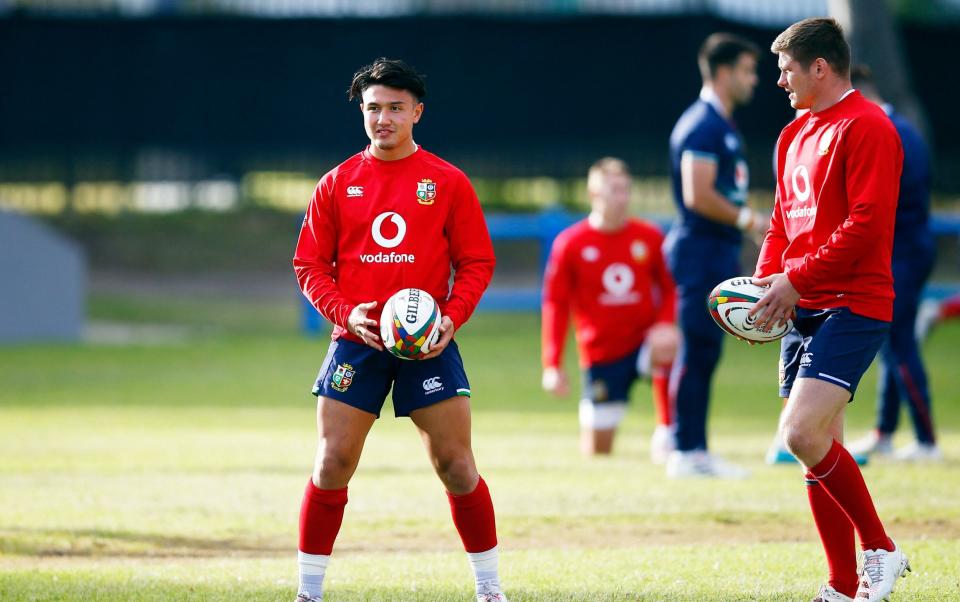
(700,464)
(489,591)
(928,314)
(662,443)
(881,569)
(872,443)
(828,594)
(306,597)
(919,452)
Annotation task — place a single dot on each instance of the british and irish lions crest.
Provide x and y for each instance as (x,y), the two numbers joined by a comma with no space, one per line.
(426,191)
(342,378)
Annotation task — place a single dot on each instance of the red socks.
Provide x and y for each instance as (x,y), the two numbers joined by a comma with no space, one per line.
(474,519)
(836,535)
(840,476)
(660,383)
(321,513)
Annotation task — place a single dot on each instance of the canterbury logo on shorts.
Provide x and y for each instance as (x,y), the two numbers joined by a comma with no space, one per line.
(432,384)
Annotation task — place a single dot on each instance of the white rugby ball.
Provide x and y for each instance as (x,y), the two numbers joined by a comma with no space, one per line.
(410,323)
(731,301)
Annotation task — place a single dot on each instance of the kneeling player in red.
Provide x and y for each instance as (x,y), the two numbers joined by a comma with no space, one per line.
(828,254)
(393,216)
(608,269)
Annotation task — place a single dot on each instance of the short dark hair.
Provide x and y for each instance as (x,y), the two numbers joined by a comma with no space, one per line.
(723,49)
(814,38)
(392,73)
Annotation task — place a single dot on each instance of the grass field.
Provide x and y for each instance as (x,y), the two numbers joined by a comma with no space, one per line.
(170,467)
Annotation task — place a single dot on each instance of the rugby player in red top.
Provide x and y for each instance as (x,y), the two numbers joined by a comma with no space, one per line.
(393,216)
(608,269)
(827,257)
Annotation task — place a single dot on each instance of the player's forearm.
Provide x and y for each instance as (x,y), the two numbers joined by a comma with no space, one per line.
(716,207)
(554,323)
(471,278)
(770,260)
(668,309)
(321,290)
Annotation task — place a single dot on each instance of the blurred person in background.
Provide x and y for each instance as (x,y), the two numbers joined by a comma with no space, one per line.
(903,376)
(393,216)
(710,184)
(609,271)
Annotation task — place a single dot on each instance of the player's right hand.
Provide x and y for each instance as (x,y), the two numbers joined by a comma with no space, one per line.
(555,381)
(363,327)
(778,304)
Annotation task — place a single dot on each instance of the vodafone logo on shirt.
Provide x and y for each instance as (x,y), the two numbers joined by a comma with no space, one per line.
(800,183)
(388,238)
(800,180)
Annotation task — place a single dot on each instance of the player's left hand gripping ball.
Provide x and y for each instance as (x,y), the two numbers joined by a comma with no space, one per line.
(410,324)
(730,303)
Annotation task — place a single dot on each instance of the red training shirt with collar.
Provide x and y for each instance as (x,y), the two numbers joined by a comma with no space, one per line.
(374,227)
(617,285)
(836,200)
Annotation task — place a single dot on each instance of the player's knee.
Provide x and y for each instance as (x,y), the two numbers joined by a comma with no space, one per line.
(601,416)
(335,464)
(798,440)
(456,469)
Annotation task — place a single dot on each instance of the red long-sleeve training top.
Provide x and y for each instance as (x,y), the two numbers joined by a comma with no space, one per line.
(831,232)
(374,227)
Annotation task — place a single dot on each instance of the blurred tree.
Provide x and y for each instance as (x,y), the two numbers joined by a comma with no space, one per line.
(875,40)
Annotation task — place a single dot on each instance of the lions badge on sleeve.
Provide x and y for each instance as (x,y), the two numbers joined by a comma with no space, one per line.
(426,191)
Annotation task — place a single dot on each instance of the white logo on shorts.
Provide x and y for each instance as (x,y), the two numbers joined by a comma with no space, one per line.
(806,359)
(432,385)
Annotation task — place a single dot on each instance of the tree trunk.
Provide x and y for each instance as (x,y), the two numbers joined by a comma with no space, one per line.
(875,41)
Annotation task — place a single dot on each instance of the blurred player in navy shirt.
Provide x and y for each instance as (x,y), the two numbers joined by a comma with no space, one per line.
(710,182)
(902,373)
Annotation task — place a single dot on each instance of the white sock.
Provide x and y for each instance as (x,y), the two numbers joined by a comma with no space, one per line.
(312,569)
(485,565)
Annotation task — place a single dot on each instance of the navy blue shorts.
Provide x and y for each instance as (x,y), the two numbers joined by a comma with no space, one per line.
(361,376)
(833,345)
(612,381)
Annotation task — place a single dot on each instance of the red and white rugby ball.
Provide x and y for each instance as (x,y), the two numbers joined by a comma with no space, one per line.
(730,303)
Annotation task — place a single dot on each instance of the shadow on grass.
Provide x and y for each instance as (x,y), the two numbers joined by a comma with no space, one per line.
(380,535)
(105,542)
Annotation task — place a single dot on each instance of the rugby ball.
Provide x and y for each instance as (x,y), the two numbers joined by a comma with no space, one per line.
(732,300)
(410,323)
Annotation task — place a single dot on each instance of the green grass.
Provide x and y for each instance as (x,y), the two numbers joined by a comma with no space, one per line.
(173,471)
